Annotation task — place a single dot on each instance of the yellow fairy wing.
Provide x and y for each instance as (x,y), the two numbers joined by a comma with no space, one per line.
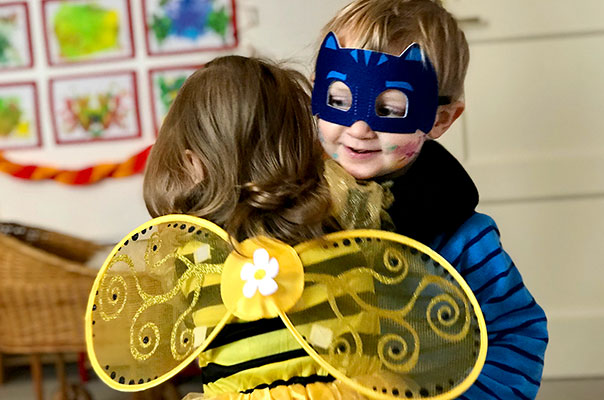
(147,312)
(388,316)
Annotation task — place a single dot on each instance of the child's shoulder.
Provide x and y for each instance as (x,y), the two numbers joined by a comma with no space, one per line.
(476,224)
(476,240)
(476,227)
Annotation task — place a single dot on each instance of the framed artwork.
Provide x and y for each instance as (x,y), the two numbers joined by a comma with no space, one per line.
(91,108)
(184,26)
(165,83)
(19,116)
(80,31)
(15,37)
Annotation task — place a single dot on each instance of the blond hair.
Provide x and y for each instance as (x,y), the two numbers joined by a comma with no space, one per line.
(392,25)
(249,123)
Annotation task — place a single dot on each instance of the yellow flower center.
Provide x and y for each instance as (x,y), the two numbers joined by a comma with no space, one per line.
(289,279)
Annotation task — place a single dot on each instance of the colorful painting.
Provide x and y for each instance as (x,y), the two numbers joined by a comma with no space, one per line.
(165,83)
(19,117)
(15,36)
(84,31)
(181,26)
(92,108)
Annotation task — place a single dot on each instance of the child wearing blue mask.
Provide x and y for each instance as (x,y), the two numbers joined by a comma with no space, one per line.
(388,80)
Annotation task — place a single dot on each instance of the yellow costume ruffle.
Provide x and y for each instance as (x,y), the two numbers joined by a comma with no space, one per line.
(313,391)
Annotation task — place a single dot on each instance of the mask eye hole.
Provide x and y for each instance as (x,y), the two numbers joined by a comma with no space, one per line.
(339,96)
(392,103)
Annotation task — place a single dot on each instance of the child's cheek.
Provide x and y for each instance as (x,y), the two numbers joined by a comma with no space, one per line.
(321,137)
(328,147)
(406,150)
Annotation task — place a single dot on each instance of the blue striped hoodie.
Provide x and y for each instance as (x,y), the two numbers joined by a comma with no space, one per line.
(434,202)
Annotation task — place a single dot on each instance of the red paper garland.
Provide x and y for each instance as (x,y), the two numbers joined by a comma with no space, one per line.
(86,176)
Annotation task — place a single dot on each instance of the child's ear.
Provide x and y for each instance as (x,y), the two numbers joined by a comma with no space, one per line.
(445,116)
(194,165)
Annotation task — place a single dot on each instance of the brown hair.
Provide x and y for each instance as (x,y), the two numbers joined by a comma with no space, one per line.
(392,25)
(249,123)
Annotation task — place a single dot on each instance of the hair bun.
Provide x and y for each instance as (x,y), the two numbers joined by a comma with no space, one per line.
(273,196)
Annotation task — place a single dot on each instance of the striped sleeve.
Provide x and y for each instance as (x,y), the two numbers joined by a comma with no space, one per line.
(516,324)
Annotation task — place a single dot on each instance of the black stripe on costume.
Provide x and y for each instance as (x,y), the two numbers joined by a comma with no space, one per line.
(240,331)
(485,260)
(347,307)
(213,372)
(472,242)
(211,296)
(519,351)
(512,370)
(507,295)
(526,324)
(532,304)
(298,380)
(235,332)
(494,279)
(519,394)
(485,389)
(334,266)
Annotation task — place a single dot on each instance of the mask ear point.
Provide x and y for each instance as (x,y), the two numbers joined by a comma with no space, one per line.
(331,42)
(413,53)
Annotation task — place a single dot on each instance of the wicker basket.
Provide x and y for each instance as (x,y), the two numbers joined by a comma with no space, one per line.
(44,289)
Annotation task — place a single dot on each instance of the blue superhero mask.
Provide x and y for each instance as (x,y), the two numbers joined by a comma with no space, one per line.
(368,74)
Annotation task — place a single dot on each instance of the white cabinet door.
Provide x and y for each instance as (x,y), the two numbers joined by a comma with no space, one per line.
(535,117)
(532,137)
(487,20)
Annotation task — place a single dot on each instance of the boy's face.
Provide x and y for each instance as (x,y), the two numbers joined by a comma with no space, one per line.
(361,151)
(365,153)
(374,109)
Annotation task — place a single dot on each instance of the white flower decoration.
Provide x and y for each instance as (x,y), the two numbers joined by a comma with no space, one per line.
(260,276)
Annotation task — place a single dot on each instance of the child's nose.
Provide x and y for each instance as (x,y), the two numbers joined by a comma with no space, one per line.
(361,130)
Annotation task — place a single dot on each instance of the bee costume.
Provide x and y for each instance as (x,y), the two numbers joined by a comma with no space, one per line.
(354,314)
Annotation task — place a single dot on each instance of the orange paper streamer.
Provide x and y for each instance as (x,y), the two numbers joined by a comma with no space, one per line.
(85,176)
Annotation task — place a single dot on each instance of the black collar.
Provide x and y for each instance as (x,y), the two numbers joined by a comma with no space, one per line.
(434,196)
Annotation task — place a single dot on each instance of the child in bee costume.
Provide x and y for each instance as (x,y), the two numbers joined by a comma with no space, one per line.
(268,304)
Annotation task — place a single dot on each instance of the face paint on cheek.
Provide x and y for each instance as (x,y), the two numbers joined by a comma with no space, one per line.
(334,156)
(391,149)
(400,163)
(401,155)
(405,151)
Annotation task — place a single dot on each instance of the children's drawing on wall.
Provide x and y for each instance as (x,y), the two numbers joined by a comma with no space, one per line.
(180,26)
(19,118)
(15,36)
(82,31)
(91,108)
(165,83)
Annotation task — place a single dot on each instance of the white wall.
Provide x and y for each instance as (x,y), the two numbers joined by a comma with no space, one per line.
(108,210)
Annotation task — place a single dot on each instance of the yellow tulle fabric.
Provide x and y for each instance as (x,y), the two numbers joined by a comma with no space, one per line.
(358,204)
(382,314)
(314,391)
